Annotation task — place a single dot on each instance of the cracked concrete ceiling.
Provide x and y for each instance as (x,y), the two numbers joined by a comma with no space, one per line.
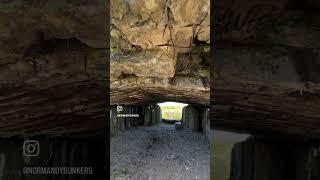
(160,51)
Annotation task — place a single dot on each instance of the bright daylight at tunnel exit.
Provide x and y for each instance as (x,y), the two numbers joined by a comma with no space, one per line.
(159,89)
(172,111)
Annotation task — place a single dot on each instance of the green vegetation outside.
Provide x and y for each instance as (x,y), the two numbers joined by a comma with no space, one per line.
(171,112)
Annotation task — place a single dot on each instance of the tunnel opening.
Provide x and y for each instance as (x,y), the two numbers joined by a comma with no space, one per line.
(144,145)
(171,112)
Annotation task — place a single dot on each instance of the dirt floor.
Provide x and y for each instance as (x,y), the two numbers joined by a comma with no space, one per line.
(159,152)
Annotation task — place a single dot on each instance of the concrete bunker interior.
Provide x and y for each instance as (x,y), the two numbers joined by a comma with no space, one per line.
(266,83)
(159,53)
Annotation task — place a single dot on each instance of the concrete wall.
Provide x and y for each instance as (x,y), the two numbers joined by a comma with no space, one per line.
(148,115)
(260,160)
(206,121)
(152,114)
(196,118)
(190,117)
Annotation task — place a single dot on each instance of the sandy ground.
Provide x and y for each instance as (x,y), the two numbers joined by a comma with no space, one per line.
(159,152)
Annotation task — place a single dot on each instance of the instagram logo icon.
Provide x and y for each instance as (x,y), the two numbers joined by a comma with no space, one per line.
(31,148)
